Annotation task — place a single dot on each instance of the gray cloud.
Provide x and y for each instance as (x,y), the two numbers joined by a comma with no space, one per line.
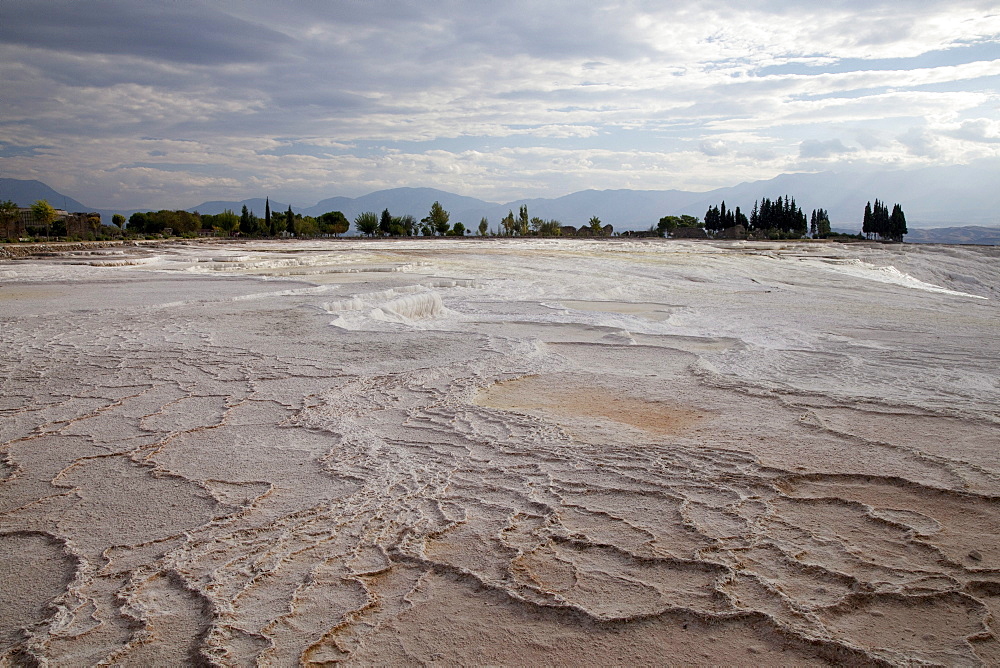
(919,142)
(868,139)
(713,147)
(978,130)
(466,91)
(184,32)
(815,148)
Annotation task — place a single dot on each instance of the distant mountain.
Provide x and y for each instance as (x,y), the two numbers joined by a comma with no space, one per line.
(26,193)
(625,209)
(939,197)
(400,201)
(970,234)
(255,204)
(931,197)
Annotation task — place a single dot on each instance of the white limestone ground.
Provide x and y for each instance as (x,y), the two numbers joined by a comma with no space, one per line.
(503,452)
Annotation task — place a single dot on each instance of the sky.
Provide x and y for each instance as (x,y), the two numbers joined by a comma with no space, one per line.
(131,103)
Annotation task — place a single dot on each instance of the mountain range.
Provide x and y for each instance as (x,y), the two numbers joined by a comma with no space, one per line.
(933,198)
(24,193)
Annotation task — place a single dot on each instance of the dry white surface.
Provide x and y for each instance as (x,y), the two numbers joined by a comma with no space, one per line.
(501,452)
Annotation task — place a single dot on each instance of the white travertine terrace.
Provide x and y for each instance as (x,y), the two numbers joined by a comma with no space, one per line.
(501,452)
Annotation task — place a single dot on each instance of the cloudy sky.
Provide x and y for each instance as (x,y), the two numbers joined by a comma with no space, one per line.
(170,103)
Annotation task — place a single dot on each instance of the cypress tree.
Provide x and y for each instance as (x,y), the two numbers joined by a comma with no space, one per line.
(821,223)
(267,217)
(740,218)
(246,226)
(385,222)
(876,213)
(713,218)
(880,220)
(801,223)
(897,223)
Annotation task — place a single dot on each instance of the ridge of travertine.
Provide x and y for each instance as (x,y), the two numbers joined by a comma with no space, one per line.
(499,453)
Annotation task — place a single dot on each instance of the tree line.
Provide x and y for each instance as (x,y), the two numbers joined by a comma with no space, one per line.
(288,223)
(878,222)
(782,215)
(44,220)
(437,222)
(245,224)
(783,218)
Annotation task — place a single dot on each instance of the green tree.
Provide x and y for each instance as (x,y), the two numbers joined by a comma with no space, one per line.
(823,223)
(366,223)
(877,221)
(550,228)
(483,226)
(438,218)
(882,220)
(290,221)
(408,223)
(740,218)
(279,222)
(596,227)
(667,225)
(385,222)
(457,231)
(246,223)
(119,221)
(897,224)
(43,214)
(94,223)
(509,224)
(153,222)
(782,218)
(334,222)
(306,226)
(227,221)
(522,220)
(137,222)
(8,219)
(268,224)
(819,224)
(715,218)
(260,227)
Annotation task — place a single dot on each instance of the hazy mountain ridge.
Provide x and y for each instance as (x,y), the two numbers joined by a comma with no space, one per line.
(938,198)
(26,192)
(255,204)
(969,234)
(400,201)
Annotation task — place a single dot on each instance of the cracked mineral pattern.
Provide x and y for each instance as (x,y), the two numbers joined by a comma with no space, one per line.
(500,452)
